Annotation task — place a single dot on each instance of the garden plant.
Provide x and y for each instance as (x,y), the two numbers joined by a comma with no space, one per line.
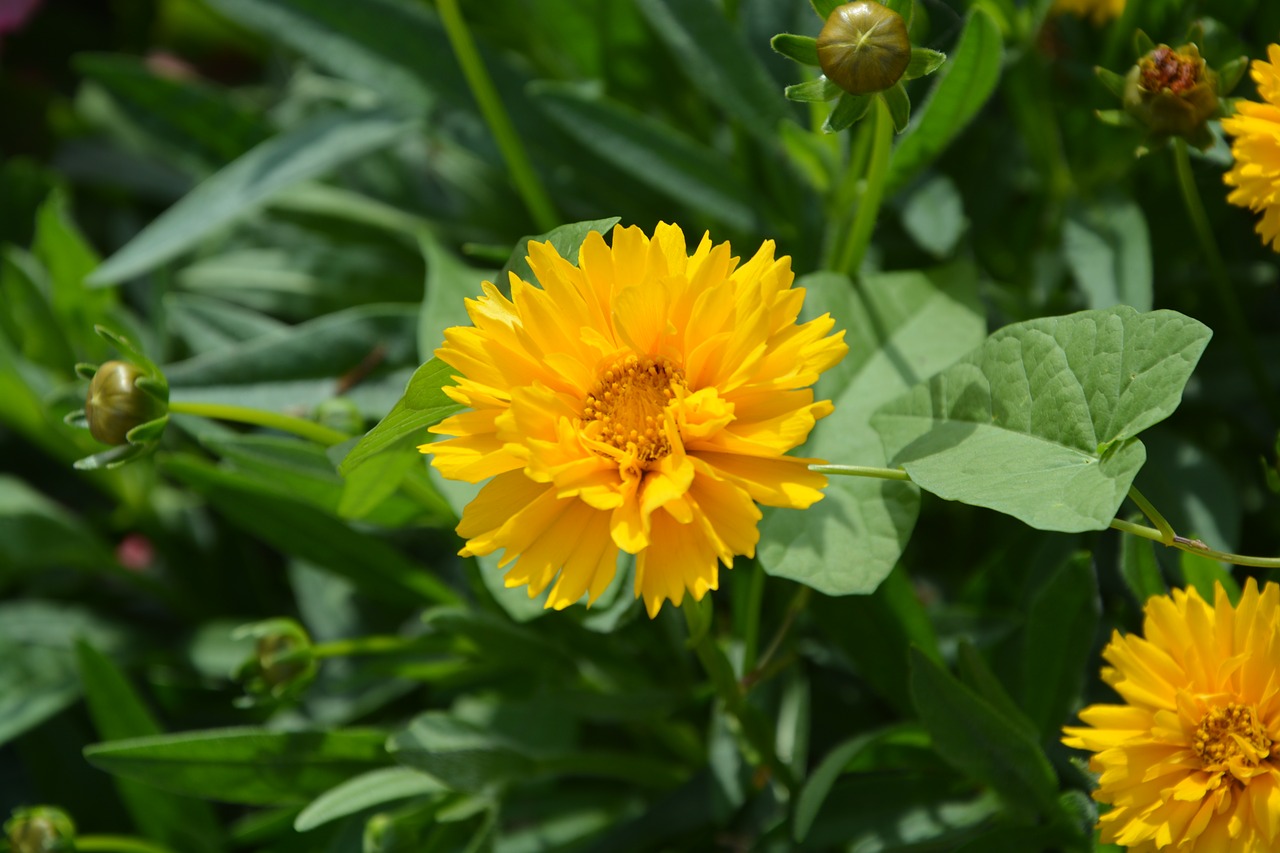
(639,425)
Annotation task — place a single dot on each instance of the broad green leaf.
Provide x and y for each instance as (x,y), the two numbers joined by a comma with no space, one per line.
(979,742)
(375,788)
(1041,421)
(901,327)
(396,49)
(309,150)
(298,529)
(566,239)
(963,86)
(1107,248)
(651,151)
(423,404)
(717,61)
(368,485)
(1057,643)
(118,713)
(975,674)
(244,765)
(69,259)
(186,113)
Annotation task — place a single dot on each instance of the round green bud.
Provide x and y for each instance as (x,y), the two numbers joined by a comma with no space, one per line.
(40,829)
(115,405)
(864,47)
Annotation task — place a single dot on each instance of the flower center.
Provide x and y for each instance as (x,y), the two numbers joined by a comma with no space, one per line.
(1166,68)
(1231,734)
(628,401)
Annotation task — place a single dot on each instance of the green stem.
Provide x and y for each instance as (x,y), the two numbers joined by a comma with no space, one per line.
(1195,546)
(1166,529)
(495,115)
(755,732)
(854,249)
(1221,280)
(862,471)
(376,645)
(797,606)
(118,844)
(258,417)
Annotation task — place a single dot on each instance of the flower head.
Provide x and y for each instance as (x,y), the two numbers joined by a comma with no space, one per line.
(1256,148)
(1191,761)
(1097,11)
(640,400)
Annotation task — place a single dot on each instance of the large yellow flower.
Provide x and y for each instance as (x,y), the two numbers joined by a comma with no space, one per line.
(641,400)
(1098,11)
(1256,147)
(1191,762)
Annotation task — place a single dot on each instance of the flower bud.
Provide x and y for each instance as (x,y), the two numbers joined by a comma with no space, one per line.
(40,829)
(115,404)
(282,665)
(1172,92)
(864,47)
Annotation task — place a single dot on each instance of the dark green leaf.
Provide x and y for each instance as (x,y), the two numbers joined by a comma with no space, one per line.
(962,88)
(424,404)
(1058,643)
(652,151)
(979,742)
(118,713)
(566,239)
(718,62)
(244,765)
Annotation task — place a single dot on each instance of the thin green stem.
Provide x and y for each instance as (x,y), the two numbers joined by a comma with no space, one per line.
(1221,279)
(1166,529)
(118,844)
(854,249)
(375,645)
(757,737)
(1195,546)
(862,471)
(310,430)
(495,115)
(797,606)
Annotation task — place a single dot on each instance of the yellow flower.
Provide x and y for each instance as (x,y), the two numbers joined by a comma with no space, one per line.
(1098,11)
(641,400)
(1191,761)
(1256,148)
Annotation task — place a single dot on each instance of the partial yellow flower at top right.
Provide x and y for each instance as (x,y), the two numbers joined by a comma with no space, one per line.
(1256,148)
(1097,11)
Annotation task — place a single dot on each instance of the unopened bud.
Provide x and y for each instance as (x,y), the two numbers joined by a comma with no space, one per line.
(115,404)
(1172,92)
(40,829)
(864,47)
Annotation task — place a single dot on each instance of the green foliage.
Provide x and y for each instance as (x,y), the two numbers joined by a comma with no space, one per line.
(294,199)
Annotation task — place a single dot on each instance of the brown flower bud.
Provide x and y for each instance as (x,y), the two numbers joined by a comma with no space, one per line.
(1172,92)
(40,829)
(116,405)
(864,47)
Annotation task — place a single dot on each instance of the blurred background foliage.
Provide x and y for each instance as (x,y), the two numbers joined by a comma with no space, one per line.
(340,195)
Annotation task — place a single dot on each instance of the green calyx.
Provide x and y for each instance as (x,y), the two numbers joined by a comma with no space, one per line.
(126,407)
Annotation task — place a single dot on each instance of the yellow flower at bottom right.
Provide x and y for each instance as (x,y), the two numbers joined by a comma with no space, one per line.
(1190,761)
(1256,149)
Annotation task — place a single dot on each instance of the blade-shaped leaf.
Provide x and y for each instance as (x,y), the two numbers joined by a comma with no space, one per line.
(374,788)
(963,87)
(310,150)
(251,766)
(1041,421)
(1107,247)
